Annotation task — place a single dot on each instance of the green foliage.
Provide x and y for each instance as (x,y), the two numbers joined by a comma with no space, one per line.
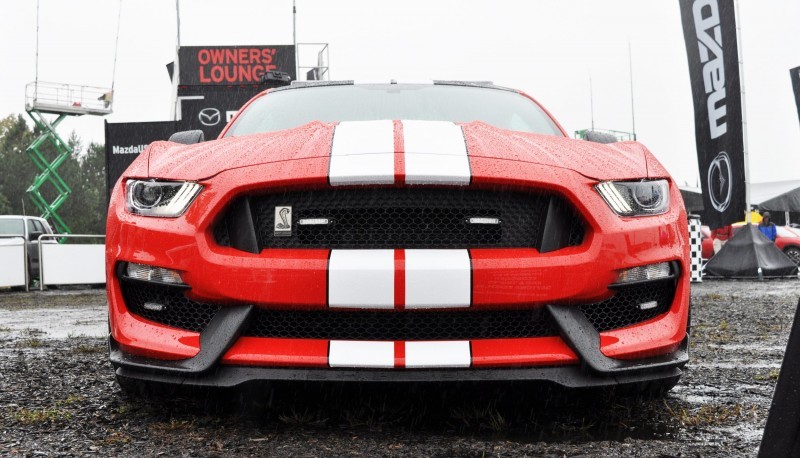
(84,172)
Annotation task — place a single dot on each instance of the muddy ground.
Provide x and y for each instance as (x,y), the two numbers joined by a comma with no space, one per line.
(58,397)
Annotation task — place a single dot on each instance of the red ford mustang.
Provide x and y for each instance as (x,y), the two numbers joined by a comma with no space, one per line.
(397,232)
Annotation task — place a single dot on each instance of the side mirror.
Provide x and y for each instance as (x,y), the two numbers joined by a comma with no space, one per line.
(34,236)
(188,137)
(599,137)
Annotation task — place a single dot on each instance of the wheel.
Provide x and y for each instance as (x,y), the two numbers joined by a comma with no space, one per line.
(794,254)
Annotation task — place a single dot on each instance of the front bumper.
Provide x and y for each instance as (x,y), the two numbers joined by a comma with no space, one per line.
(203,369)
(245,284)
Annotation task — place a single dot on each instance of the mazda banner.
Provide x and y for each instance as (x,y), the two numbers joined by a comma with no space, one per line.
(709,29)
(795,75)
(126,140)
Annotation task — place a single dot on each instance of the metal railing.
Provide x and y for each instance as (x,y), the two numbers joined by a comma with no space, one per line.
(322,67)
(68,98)
(24,255)
(44,236)
(620,135)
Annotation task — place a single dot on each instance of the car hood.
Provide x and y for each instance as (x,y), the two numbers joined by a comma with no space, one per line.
(617,161)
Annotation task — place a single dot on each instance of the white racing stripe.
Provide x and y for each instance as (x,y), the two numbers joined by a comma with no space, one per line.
(348,353)
(362,153)
(361,279)
(437,279)
(436,153)
(438,354)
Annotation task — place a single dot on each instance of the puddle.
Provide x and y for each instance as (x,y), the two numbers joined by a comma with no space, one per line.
(756,348)
(53,322)
(735,365)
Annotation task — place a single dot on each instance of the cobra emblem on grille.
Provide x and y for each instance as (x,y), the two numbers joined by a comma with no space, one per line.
(283,221)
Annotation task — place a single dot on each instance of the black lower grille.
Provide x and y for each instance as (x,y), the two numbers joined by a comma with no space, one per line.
(623,309)
(407,325)
(617,312)
(403,218)
(178,312)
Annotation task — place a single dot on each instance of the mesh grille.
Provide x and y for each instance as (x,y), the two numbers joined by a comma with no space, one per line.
(402,218)
(407,325)
(623,309)
(614,313)
(576,231)
(179,311)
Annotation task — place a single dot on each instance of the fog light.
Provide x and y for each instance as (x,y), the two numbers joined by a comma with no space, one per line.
(153,307)
(642,273)
(643,306)
(152,273)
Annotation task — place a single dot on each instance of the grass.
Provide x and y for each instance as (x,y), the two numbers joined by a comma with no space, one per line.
(720,333)
(84,349)
(298,418)
(124,409)
(709,414)
(772,375)
(37,416)
(31,342)
(485,417)
(71,399)
(117,438)
(171,426)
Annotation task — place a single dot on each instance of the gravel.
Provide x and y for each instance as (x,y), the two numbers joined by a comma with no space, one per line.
(58,397)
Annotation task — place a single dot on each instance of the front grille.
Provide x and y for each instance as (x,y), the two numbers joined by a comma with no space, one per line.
(180,312)
(375,218)
(623,308)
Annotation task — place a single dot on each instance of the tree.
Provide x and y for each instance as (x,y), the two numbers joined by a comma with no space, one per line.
(84,172)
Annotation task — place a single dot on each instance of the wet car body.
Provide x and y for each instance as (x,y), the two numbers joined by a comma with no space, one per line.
(374,247)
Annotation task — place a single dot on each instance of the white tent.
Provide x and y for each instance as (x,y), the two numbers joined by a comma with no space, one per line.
(783,196)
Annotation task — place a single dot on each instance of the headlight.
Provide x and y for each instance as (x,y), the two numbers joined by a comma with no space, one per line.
(636,198)
(168,199)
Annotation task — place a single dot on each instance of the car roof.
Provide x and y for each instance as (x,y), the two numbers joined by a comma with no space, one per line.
(22,217)
(476,84)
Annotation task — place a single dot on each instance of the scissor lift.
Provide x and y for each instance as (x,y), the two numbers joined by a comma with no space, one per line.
(59,100)
(620,135)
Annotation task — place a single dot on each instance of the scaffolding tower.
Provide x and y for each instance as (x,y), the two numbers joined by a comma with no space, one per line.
(621,136)
(57,101)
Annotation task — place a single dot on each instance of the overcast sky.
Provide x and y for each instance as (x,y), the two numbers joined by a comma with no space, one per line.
(546,48)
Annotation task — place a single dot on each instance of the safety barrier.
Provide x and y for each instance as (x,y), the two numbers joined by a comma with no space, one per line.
(695,248)
(14,265)
(64,264)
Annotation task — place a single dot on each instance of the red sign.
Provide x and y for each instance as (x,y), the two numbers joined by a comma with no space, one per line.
(202,65)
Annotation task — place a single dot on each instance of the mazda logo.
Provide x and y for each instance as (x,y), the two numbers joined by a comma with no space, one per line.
(720,184)
(209,116)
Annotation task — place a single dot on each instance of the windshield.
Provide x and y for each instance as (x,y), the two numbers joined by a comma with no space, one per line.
(11,227)
(295,107)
